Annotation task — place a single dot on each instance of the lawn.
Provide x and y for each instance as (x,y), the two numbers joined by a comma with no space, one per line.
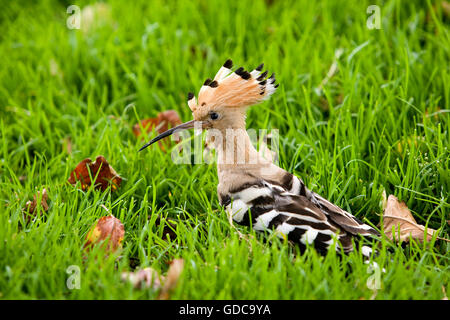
(378,123)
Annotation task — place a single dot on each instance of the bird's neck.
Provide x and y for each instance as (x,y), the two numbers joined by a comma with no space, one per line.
(235,149)
(238,162)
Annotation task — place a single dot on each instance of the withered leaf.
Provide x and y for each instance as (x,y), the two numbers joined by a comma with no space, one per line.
(161,123)
(100,170)
(144,278)
(173,274)
(149,278)
(108,231)
(444,293)
(399,223)
(30,206)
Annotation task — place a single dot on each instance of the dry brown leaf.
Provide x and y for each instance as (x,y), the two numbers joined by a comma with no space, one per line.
(100,170)
(445,294)
(397,217)
(149,278)
(30,206)
(144,278)
(108,231)
(161,123)
(173,274)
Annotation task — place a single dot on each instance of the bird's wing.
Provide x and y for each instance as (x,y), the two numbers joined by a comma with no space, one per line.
(339,216)
(344,219)
(270,207)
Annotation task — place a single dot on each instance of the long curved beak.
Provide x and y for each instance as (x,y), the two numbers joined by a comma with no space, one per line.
(183,126)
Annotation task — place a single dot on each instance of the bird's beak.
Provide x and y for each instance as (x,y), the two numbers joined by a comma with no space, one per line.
(187,125)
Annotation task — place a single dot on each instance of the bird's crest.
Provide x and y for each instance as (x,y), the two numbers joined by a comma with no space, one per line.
(234,89)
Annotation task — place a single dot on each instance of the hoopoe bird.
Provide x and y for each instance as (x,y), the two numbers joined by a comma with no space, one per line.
(252,189)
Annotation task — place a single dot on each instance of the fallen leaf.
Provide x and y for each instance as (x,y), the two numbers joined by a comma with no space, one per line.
(103,173)
(144,278)
(161,123)
(30,206)
(171,280)
(149,278)
(445,294)
(397,217)
(109,231)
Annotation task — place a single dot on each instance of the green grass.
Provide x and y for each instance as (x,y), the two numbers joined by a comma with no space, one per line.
(381,124)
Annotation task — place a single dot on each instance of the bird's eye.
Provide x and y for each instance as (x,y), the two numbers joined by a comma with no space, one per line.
(214,116)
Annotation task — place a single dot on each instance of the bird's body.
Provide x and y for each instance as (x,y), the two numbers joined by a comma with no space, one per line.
(291,210)
(268,198)
(252,189)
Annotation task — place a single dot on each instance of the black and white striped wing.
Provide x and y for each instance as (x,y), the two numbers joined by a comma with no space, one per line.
(270,207)
(340,217)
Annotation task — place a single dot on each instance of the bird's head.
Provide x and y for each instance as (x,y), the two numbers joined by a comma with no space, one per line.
(222,102)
